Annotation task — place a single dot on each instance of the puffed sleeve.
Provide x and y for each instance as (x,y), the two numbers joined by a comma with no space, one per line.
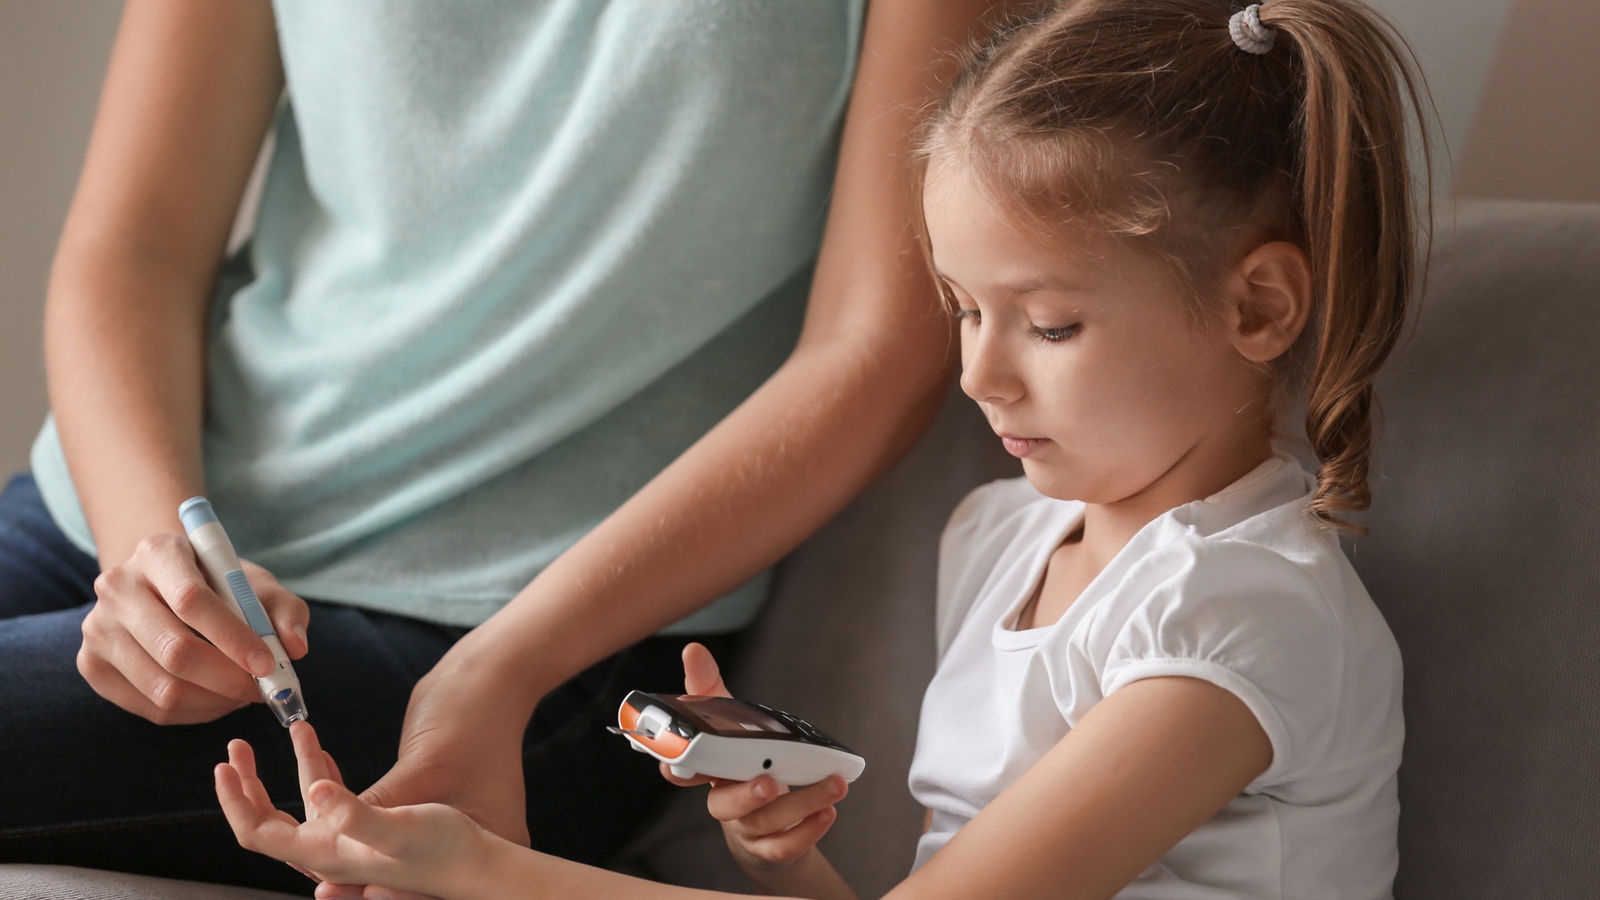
(1248,620)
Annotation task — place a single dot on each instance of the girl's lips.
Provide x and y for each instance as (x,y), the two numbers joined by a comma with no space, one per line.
(1020,447)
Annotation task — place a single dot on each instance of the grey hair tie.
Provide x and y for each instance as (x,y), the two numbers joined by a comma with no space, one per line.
(1247,31)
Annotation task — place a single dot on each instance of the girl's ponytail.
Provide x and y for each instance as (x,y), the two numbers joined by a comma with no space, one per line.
(1355,196)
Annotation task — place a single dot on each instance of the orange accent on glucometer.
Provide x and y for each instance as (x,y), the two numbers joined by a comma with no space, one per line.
(665,742)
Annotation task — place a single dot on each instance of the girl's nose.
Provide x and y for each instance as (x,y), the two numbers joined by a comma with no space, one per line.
(986,372)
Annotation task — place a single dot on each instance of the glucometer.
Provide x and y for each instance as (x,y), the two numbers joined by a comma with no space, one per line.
(726,738)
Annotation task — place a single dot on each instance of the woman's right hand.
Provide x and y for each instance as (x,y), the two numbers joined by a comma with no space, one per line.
(162,645)
(767,826)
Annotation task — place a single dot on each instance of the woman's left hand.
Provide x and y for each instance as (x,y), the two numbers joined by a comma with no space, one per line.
(347,840)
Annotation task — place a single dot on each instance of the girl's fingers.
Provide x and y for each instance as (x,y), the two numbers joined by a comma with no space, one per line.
(762,807)
(788,846)
(334,774)
(700,672)
(268,833)
(352,816)
(243,759)
(311,758)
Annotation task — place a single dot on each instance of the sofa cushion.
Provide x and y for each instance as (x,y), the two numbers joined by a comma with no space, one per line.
(1485,557)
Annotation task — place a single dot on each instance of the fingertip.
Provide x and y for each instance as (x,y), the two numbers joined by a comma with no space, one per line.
(304,739)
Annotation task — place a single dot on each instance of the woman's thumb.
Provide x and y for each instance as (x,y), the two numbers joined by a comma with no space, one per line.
(700,673)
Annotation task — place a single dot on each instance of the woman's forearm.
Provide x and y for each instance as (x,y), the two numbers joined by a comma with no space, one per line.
(189,94)
(749,491)
(124,366)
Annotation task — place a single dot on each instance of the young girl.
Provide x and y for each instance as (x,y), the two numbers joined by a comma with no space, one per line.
(1159,677)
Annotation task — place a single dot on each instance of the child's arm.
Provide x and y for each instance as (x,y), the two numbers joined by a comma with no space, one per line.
(1146,766)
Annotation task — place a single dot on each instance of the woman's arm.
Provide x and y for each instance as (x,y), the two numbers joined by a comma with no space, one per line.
(863,382)
(187,101)
(1145,767)
(188,97)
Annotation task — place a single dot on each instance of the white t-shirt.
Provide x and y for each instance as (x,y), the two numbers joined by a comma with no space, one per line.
(1239,589)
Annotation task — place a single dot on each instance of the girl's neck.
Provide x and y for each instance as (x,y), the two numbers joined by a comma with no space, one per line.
(1203,471)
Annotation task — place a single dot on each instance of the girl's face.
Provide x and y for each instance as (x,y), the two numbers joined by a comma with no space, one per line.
(1080,351)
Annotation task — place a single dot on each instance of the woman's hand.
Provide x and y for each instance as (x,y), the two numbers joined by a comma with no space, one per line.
(767,825)
(162,645)
(459,745)
(430,847)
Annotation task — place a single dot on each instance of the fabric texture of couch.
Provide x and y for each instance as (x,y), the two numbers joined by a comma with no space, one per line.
(1484,557)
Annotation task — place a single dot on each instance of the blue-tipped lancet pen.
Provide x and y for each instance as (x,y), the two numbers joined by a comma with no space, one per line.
(281,689)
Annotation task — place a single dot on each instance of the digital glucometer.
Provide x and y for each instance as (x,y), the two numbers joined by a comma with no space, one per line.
(726,738)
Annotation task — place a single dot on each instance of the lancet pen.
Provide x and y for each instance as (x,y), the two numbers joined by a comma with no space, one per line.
(281,688)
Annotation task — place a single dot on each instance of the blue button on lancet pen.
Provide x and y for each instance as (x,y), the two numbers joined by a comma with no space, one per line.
(281,688)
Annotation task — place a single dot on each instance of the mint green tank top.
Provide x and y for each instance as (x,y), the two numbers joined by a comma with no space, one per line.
(512,258)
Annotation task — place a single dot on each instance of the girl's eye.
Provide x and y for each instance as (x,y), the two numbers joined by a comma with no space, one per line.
(965,315)
(1054,335)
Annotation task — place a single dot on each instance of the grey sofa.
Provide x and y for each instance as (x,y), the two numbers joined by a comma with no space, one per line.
(1485,557)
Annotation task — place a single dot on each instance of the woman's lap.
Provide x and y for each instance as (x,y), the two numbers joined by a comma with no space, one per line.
(86,783)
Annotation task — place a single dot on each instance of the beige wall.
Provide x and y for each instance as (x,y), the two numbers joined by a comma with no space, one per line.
(52,58)
(1536,133)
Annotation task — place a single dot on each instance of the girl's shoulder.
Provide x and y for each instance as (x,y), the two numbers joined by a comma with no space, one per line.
(994,533)
(1001,516)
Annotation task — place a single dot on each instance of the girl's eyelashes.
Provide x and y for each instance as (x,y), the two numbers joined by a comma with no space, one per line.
(1054,335)
(1048,335)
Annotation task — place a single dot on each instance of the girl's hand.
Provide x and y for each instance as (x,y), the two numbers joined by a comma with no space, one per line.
(347,840)
(162,645)
(767,826)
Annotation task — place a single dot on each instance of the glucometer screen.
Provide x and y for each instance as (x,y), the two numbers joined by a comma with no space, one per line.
(730,717)
(726,717)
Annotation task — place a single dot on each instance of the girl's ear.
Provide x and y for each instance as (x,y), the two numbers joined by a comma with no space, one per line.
(1270,301)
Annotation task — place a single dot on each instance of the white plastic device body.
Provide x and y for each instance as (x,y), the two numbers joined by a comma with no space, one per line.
(725,738)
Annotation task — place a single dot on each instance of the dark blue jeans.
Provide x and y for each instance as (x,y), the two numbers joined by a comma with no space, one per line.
(84,783)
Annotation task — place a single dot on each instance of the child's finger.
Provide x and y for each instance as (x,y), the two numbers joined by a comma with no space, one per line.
(700,672)
(243,760)
(754,809)
(735,800)
(252,828)
(311,759)
(352,816)
(788,846)
(333,768)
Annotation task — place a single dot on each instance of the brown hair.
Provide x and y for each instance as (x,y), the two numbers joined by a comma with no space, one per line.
(1145,120)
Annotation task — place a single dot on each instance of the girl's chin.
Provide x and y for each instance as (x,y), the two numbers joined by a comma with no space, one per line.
(1050,481)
